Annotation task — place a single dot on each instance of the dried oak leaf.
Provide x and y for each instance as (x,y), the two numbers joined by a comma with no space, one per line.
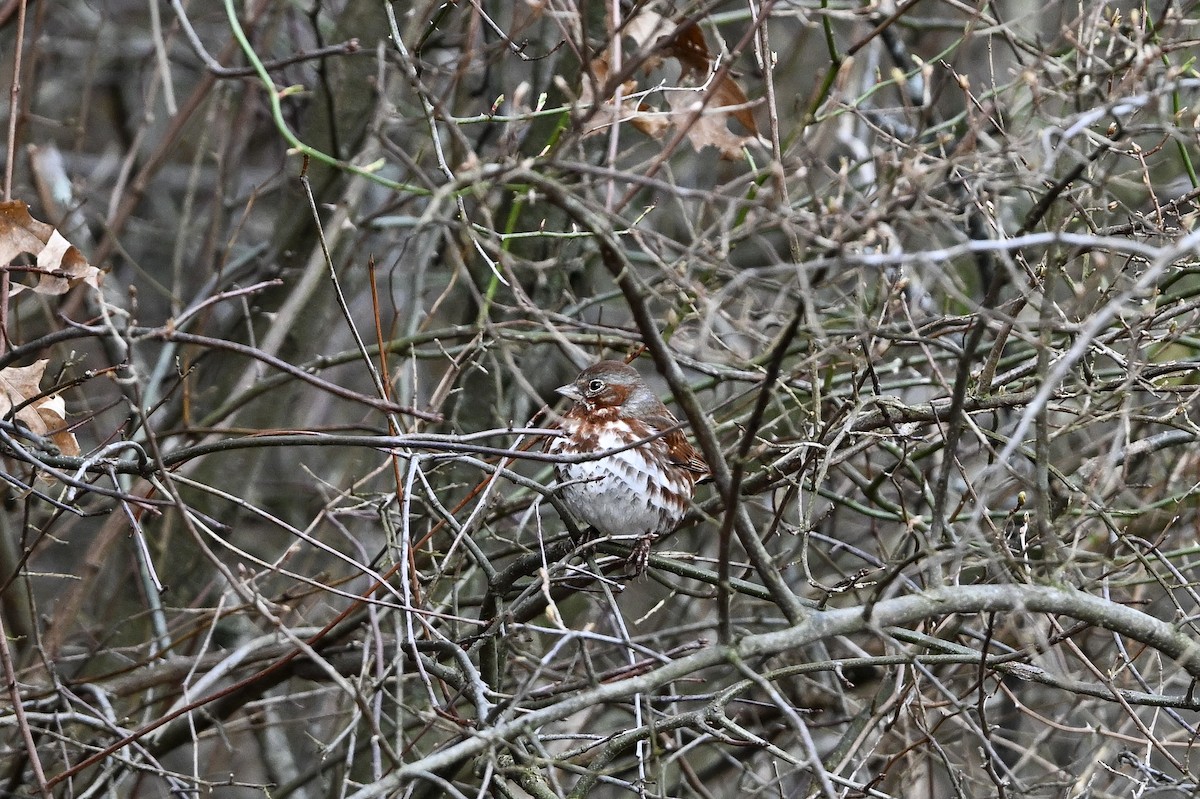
(60,264)
(642,116)
(703,101)
(45,416)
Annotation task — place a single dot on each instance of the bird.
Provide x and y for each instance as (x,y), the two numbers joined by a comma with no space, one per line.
(641,491)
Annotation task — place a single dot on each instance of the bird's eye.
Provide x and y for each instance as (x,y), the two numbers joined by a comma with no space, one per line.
(595,385)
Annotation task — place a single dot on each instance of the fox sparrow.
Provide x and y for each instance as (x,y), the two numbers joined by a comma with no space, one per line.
(643,490)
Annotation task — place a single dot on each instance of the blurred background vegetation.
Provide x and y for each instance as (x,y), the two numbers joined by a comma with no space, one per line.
(922,276)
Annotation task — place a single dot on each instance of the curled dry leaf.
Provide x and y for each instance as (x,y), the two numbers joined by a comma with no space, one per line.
(644,117)
(702,100)
(60,264)
(45,416)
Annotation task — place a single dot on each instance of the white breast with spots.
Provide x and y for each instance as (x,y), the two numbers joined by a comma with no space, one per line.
(621,494)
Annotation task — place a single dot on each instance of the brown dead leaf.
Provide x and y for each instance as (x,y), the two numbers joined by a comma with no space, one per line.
(60,265)
(46,416)
(689,46)
(701,100)
(632,108)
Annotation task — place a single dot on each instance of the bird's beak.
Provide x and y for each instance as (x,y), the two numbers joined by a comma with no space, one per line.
(569,391)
